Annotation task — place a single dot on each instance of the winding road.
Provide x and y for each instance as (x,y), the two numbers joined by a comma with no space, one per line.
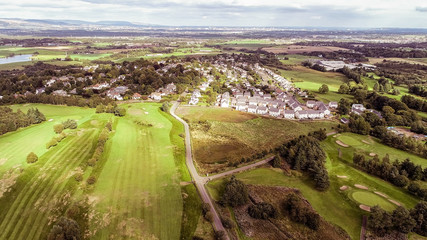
(200,181)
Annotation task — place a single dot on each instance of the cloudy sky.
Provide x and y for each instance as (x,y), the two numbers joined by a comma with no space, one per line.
(317,13)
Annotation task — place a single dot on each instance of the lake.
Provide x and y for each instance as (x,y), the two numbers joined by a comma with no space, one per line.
(16,58)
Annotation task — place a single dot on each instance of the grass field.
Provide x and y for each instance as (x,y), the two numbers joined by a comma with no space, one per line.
(357,145)
(372,199)
(225,136)
(336,206)
(138,192)
(311,80)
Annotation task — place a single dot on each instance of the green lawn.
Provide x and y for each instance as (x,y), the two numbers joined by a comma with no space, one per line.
(357,145)
(372,199)
(139,186)
(138,192)
(312,80)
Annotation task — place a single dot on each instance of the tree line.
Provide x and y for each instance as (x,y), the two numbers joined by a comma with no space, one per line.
(401,174)
(11,121)
(381,222)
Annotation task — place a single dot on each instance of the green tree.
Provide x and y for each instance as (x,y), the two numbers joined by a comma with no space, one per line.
(402,220)
(344,106)
(100,108)
(235,193)
(324,88)
(343,89)
(65,229)
(119,111)
(32,158)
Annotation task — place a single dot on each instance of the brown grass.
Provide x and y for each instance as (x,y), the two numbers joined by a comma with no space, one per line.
(297,49)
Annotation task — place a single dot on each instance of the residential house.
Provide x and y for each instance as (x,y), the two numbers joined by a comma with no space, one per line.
(311,104)
(323,108)
(40,90)
(156,96)
(262,110)
(275,112)
(358,109)
(241,106)
(303,114)
(289,114)
(136,96)
(252,109)
(333,105)
(60,93)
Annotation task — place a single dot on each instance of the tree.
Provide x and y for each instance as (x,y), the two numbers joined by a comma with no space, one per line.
(32,158)
(100,108)
(344,89)
(262,211)
(71,124)
(324,88)
(376,87)
(379,221)
(235,193)
(119,111)
(58,128)
(344,106)
(419,214)
(65,229)
(402,220)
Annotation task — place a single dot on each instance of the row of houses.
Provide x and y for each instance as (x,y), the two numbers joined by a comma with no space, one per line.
(169,89)
(195,97)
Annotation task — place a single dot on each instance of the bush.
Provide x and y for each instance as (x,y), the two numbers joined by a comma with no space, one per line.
(91,180)
(78,177)
(219,235)
(227,223)
(71,124)
(235,193)
(32,158)
(53,142)
(297,211)
(262,211)
(66,229)
(119,111)
(58,128)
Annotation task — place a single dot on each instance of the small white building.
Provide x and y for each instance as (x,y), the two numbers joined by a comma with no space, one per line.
(241,107)
(311,104)
(262,110)
(252,109)
(303,114)
(274,112)
(156,96)
(289,114)
(333,104)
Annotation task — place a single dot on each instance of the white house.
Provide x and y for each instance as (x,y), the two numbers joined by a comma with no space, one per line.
(196,93)
(241,106)
(303,114)
(253,102)
(262,110)
(311,104)
(323,108)
(358,109)
(193,100)
(252,109)
(156,96)
(275,112)
(289,114)
(333,104)
(313,114)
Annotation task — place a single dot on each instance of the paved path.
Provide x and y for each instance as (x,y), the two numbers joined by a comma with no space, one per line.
(200,181)
(363,229)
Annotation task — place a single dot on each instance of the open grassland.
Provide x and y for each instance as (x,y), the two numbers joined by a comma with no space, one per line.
(139,186)
(295,59)
(422,61)
(249,41)
(224,136)
(312,80)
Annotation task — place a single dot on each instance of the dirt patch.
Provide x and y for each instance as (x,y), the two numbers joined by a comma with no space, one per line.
(2,161)
(184,183)
(361,186)
(343,188)
(338,176)
(395,202)
(372,154)
(381,194)
(8,180)
(364,207)
(341,143)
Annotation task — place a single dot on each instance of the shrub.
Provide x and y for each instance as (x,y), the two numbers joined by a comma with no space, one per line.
(58,128)
(235,193)
(91,180)
(32,158)
(262,211)
(65,228)
(227,223)
(78,177)
(53,142)
(71,124)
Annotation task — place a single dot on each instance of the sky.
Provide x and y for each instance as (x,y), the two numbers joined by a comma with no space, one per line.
(258,13)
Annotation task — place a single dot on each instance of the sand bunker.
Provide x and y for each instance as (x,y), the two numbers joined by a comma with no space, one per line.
(361,186)
(338,176)
(395,202)
(366,142)
(146,112)
(372,154)
(341,143)
(381,194)
(364,207)
(50,120)
(343,188)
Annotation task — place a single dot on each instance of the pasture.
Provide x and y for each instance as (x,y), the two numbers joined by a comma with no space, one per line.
(298,49)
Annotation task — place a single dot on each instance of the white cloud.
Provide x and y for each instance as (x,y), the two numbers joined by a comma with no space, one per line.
(338,13)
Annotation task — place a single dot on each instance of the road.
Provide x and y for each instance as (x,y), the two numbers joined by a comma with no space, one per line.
(200,181)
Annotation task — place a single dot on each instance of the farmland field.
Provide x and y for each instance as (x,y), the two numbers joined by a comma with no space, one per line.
(297,49)
(137,192)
